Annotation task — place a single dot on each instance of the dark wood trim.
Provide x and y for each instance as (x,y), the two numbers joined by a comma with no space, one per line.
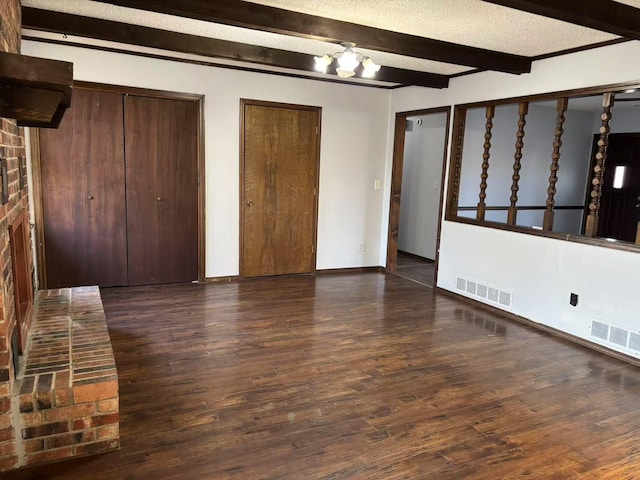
(141,92)
(38,212)
(326,271)
(46,20)
(579,49)
(224,279)
(202,190)
(455,170)
(417,257)
(539,326)
(539,97)
(524,207)
(441,207)
(603,15)
(533,59)
(342,271)
(396,184)
(245,102)
(287,22)
(124,90)
(394,195)
(329,79)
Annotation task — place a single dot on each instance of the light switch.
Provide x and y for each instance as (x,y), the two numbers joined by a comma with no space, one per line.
(376,184)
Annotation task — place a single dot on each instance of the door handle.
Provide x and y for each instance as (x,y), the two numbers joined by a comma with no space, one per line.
(249,203)
(90,197)
(159,199)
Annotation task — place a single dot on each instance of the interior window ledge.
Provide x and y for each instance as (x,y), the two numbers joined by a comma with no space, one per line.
(597,242)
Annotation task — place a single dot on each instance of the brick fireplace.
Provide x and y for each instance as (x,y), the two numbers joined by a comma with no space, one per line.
(12,150)
(65,402)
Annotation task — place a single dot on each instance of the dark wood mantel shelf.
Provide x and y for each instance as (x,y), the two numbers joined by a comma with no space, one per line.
(34,91)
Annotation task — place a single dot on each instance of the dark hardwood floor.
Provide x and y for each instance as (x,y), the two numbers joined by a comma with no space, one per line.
(359,376)
(416,269)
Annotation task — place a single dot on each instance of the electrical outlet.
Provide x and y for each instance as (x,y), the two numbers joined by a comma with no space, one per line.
(573,299)
(361,247)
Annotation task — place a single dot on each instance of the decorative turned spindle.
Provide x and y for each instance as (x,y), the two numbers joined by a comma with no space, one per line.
(561,108)
(523,109)
(591,227)
(490,113)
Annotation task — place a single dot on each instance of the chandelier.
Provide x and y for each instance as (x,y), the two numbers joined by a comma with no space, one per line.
(348,60)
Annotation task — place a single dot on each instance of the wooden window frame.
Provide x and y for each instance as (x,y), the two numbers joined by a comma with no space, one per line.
(455,168)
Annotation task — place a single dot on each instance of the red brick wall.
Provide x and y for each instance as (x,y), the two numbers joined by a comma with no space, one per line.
(11,146)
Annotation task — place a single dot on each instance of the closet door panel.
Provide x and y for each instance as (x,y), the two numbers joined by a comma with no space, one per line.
(83,195)
(162,189)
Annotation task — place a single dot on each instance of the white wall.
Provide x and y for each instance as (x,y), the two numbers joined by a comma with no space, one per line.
(354,136)
(421,184)
(541,272)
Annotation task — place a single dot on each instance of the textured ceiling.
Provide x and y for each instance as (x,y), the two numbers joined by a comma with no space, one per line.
(468,22)
(234,34)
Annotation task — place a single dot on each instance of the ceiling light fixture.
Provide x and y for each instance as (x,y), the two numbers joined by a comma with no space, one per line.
(348,60)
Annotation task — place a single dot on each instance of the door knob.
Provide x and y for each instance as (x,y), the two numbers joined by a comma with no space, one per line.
(90,197)
(158,198)
(249,203)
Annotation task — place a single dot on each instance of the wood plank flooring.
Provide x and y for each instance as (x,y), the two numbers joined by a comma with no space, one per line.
(416,269)
(357,376)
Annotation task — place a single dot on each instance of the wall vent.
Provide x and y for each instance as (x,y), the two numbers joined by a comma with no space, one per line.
(634,342)
(485,292)
(471,287)
(505,299)
(599,330)
(618,336)
(615,335)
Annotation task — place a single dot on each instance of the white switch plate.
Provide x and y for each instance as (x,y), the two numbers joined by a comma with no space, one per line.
(376,184)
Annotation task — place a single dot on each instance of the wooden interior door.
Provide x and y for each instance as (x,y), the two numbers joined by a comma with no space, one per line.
(620,207)
(83,201)
(162,189)
(280,152)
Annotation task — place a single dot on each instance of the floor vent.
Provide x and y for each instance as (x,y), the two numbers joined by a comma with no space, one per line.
(485,292)
(615,335)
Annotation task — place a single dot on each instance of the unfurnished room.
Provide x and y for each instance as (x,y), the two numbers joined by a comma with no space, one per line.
(291,239)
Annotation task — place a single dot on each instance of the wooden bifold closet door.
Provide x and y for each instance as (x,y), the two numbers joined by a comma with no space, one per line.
(162,203)
(83,196)
(120,191)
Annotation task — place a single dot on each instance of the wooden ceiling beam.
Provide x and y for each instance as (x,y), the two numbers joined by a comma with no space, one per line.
(45,20)
(276,20)
(603,15)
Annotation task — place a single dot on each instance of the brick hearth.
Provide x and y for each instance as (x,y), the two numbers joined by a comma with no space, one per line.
(68,400)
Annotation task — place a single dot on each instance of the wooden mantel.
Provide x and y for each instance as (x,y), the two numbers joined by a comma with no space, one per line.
(34,91)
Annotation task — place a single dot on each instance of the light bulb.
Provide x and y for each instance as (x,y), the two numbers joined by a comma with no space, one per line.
(348,61)
(322,63)
(370,68)
(342,73)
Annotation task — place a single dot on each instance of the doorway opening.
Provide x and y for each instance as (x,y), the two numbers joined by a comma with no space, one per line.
(419,158)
